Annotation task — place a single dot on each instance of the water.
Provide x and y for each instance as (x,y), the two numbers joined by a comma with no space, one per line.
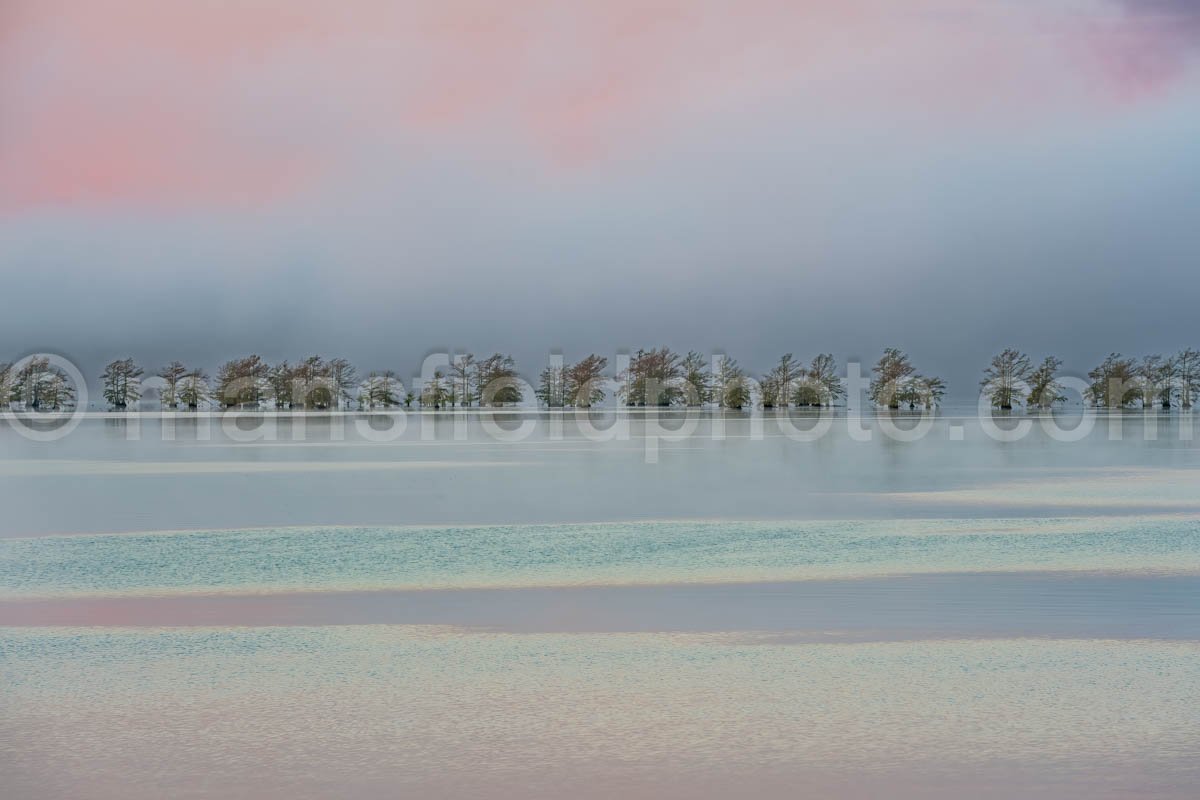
(269,614)
(97,480)
(358,558)
(398,711)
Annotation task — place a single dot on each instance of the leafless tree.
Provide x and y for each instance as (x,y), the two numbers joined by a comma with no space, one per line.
(171,374)
(122,382)
(585,381)
(1003,378)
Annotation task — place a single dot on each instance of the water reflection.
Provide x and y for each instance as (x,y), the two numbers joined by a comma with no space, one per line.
(386,711)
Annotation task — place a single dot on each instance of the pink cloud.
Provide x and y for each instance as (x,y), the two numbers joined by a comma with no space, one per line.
(142,102)
(1148,44)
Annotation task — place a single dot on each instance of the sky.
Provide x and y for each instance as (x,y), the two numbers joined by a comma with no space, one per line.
(202,179)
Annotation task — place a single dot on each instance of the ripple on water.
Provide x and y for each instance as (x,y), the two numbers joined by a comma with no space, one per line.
(291,559)
(438,710)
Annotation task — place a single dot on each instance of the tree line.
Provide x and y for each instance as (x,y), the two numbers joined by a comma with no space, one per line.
(654,378)
(36,385)
(662,378)
(1116,383)
(313,383)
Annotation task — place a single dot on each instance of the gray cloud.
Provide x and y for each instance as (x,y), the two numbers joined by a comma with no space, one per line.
(790,229)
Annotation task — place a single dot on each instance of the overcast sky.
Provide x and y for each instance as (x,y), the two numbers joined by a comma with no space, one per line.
(200,179)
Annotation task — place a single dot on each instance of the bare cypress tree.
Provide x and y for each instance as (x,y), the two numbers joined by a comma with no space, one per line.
(891,372)
(585,381)
(653,379)
(343,378)
(771,389)
(313,384)
(38,386)
(1115,382)
(551,389)
(242,381)
(1009,370)
(7,385)
(731,387)
(779,384)
(820,384)
(1147,375)
(171,374)
(122,381)
(1044,389)
(897,382)
(697,383)
(461,371)
(55,391)
(1187,366)
(433,394)
(926,390)
(193,389)
(1159,376)
(27,381)
(381,390)
(496,380)
(281,385)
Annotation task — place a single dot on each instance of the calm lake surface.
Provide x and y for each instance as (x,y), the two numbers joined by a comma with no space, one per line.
(531,605)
